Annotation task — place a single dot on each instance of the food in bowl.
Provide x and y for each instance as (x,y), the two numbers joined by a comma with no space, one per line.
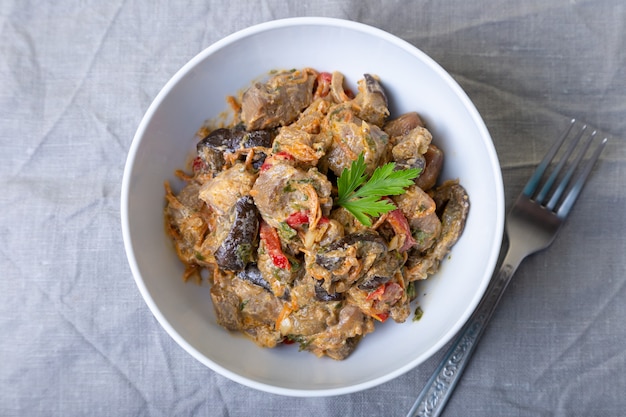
(165,139)
(313,213)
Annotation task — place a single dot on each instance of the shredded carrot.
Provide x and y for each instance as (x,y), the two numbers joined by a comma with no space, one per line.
(183,175)
(287,309)
(234,104)
(315,214)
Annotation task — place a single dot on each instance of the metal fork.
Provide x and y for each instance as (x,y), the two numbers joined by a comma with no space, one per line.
(532,224)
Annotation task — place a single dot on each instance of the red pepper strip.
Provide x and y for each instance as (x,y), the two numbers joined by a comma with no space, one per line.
(384,296)
(377,293)
(400,225)
(269,162)
(298,218)
(283,155)
(269,235)
(381,317)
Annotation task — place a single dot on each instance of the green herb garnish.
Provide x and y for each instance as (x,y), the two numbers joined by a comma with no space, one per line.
(418,313)
(285,231)
(411,292)
(301,340)
(363,197)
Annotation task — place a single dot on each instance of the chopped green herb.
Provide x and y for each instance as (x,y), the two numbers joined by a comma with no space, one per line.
(301,340)
(420,236)
(305,180)
(244,251)
(418,314)
(411,292)
(285,231)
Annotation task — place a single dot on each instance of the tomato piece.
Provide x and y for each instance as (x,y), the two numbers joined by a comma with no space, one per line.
(298,218)
(283,155)
(381,317)
(377,293)
(400,225)
(269,235)
(383,297)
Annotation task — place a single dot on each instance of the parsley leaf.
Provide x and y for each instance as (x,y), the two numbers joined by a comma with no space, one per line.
(363,197)
(351,178)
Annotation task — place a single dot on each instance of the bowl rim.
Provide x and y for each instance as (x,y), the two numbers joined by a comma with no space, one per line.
(234,37)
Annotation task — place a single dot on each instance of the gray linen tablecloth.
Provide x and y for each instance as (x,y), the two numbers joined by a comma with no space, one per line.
(76,77)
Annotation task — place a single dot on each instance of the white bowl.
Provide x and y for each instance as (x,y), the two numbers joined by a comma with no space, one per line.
(413,82)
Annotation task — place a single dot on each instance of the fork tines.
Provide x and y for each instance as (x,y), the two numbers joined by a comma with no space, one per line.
(551,193)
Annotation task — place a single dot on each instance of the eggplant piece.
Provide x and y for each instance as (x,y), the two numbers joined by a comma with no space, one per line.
(211,149)
(256,138)
(373,87)
(225,140)
(368,243)
(372,101)
(382,271)
(259,160)
(322,295)
(453,207)
(237,249)
(252,274)
(219,139)
(367,240)
(373,281)
(328,262)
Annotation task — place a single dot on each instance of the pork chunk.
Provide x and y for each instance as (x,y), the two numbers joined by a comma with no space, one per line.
(279,101)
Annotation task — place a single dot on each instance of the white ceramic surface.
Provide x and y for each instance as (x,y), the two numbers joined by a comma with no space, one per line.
(165,140)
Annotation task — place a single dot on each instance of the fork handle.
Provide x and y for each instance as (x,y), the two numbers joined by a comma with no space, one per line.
(439,388)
